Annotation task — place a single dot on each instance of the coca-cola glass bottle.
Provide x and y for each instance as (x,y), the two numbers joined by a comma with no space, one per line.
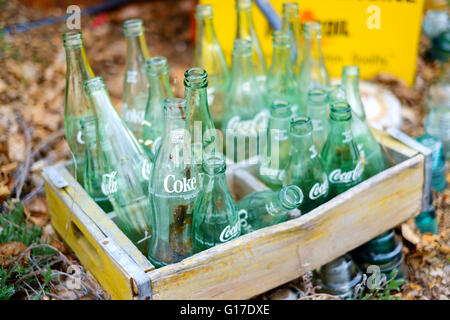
(216,219)
(305,168)
(340,155)
(317,110)
(266,208)
(175,185)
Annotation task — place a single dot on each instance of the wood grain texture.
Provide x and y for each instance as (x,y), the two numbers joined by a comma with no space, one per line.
(275,255)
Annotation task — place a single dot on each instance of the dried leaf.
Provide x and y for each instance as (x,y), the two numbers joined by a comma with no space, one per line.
(11,250)
(409,234)
(17,147)
(37,211)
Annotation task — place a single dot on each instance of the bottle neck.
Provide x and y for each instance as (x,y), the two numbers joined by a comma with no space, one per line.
(351,86)
(301,144)
(281,59)
(137,51)
(159,85)
(244,23)
(77,64)
(205,30)
(313,49)
(242,67)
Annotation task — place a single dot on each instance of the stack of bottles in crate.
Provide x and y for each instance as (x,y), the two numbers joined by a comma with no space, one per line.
(160,166)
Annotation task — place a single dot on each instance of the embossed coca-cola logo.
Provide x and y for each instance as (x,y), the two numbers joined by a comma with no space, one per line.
(179,186)
(337,176)
(230,232)
(318,190)
(109,183)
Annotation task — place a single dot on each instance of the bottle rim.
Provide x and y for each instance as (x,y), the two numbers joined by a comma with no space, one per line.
(350,71)
(290,9)
(94,84)
(281,109)
(243,4)
(290,196)
(196,78)
(214,163)
(157,65)
(312,29)
(203,11)
(340,111)
(175,108)
(300,126)
(281,39)
(133,27)
(72,39)
(317,96)
(242,47)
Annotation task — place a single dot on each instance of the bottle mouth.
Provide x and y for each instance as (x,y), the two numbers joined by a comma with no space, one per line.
(214,163)
(94,84)
(290,197)
(281,109)
(133,27)
(340,274)
(175,108)
(72,39)
(312,30)
(290,9)
(301,126)
(243,4)
(196,78)
(242,47)
(281,39)
(157,65)
(317,96)
(203,11)
(350,71)
(340,111)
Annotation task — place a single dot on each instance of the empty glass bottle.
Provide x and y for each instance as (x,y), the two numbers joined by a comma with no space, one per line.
(209,55)
(265,208)
(281,83)
(340,155)
(94,172)
(317,110)
(246,30)
(205,138)
(153,126)
(245,115)
(437,124)
(275,152)
(438,167)
(426,221)
(135,85)
(290,22)
(216,218)
(175,185)
(305,167)
(126,167)
(76,105)
(313,73)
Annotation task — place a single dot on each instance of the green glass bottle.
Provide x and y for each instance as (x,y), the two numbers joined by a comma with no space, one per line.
(175,185)
(281,83)
(126,167)
(204,136)
(368,147)
(266,208)
(135,85)
(76,105)
(313,74)
(246,30)
(305,168)
(209,55)
(153,127)
(290,22)
(245,115)
(275,151)
(317,110)
(216,218)
(340,155)
(94,165)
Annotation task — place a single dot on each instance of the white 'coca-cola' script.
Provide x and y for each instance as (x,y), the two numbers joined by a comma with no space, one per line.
(179,186)
(230,232)
(319,189)
(337,176)
(109,183)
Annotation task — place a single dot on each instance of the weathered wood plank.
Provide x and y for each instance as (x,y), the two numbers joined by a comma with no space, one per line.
(272,256)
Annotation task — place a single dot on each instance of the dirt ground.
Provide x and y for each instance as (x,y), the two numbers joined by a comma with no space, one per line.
(32,82)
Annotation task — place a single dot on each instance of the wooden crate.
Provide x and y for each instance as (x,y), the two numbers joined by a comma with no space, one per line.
(250,264)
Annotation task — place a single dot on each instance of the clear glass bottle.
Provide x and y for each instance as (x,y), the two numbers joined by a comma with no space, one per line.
(437,124)
(246,30)
(160,89)
(281,83)
(135,85)
(305,168)
(76,105)
(317,110)
(94,165)
(266,208)
(204,136)
(175,185)
(340,155)
(275,152)
(313,74)
(290,23)
(216,218)
(438,167)
(209,55)
(126,166)
(245,115)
